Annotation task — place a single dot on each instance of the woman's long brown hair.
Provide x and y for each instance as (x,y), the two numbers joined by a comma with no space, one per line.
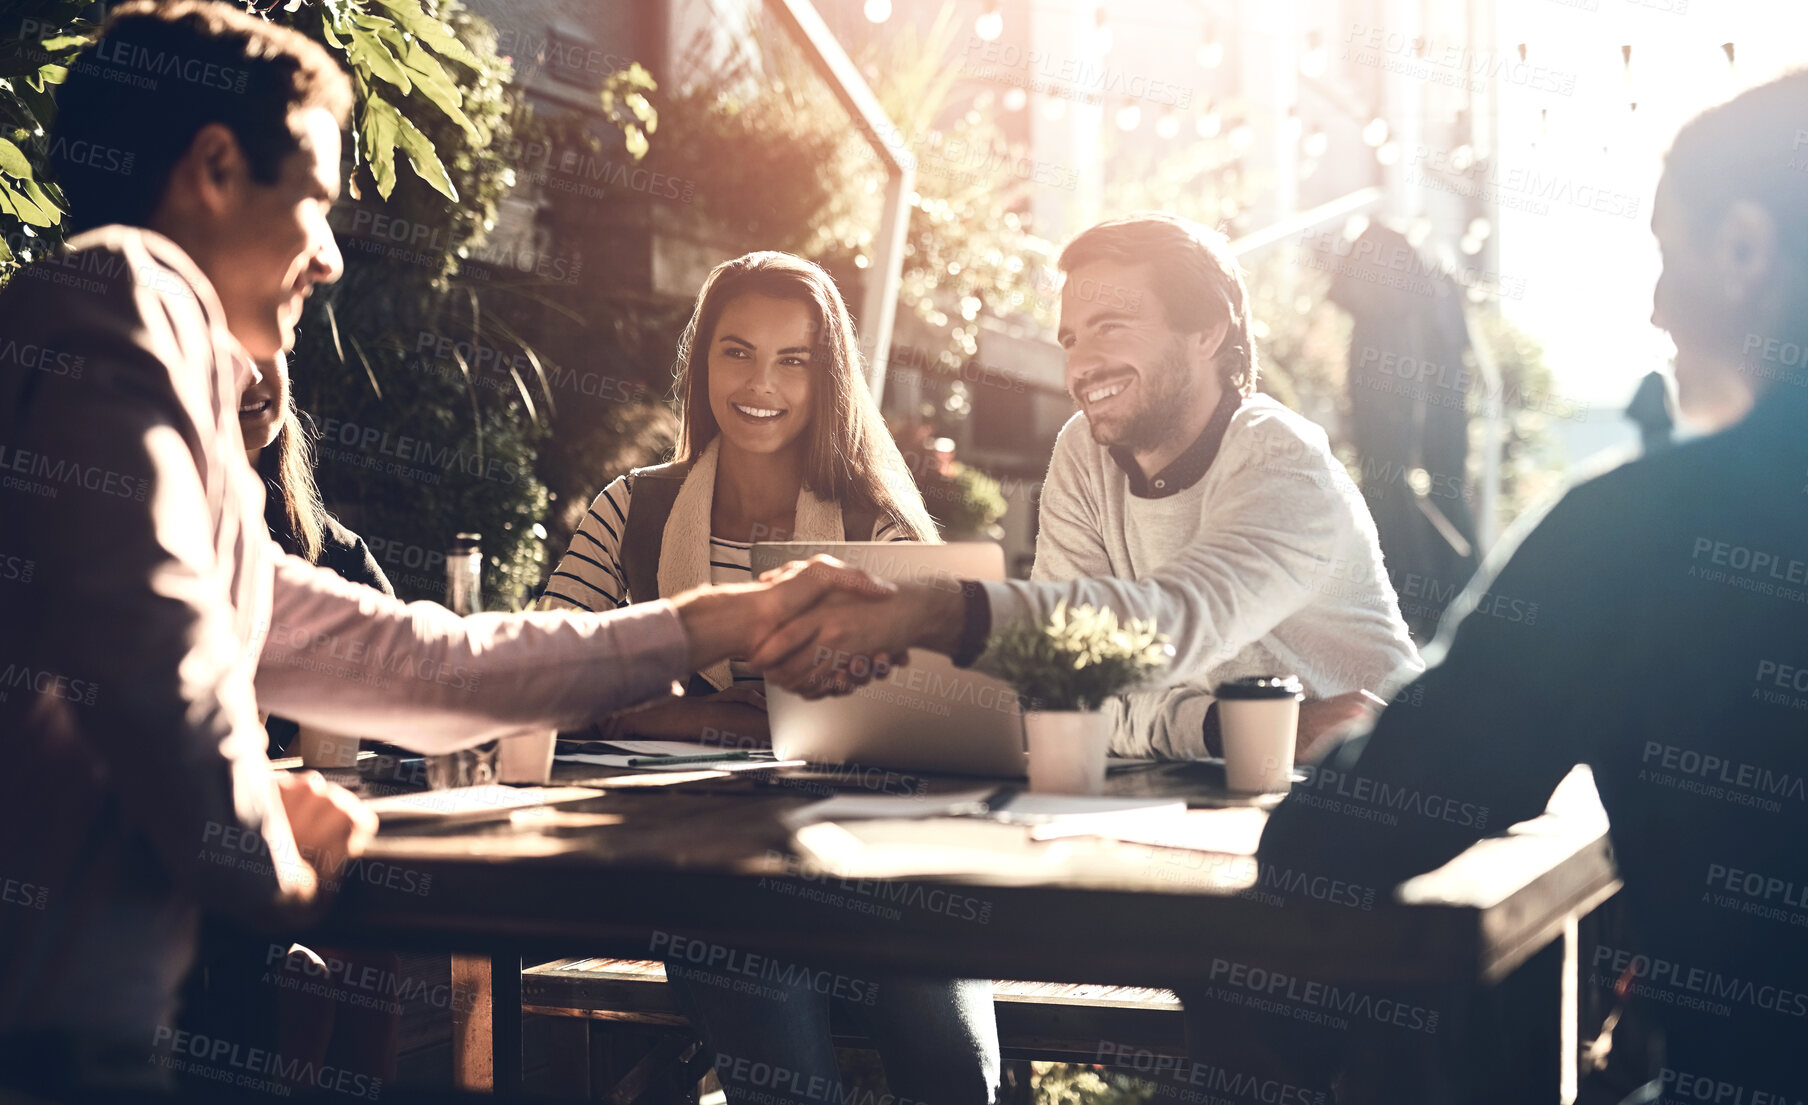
(850,454)
(288,471)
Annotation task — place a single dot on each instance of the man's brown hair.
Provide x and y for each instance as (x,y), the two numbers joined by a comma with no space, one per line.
(1197,278)
(158,73)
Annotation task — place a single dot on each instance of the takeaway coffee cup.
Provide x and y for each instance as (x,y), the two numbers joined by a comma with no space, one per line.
(1258,717)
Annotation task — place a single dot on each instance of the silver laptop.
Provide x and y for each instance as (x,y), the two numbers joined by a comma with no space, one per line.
(928,716)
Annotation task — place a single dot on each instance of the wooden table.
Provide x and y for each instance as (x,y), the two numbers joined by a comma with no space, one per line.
(655,859)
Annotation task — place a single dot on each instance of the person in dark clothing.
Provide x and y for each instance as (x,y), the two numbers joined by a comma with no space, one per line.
(1409,420)
(1669,652)
(1650,412)
(276,443)
(230,991)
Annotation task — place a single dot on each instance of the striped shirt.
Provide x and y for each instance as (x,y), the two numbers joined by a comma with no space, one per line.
(590,575)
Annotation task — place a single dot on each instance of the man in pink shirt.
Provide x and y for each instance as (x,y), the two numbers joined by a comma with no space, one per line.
(154,617)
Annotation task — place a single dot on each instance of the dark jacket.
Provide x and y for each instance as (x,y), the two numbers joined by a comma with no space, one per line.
(1654,626)
(341,551)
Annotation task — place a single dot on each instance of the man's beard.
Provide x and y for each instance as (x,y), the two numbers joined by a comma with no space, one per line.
(1167,394)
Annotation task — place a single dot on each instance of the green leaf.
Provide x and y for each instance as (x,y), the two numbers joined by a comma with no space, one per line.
(429,30)
(425,159)
(5,254)
(43,200)
(643,110)
(24,209)
(377,136)
(366,50)
(431,80)
(636,74)
(12,160)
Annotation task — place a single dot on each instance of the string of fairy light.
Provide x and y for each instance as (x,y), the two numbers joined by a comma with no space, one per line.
(1314,61)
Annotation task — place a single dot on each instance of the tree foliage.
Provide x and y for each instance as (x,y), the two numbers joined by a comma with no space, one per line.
(35,55)
(420,342)
(778,164)
(406,64)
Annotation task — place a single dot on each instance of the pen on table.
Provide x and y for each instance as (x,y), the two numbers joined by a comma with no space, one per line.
(703,757)
(989,806)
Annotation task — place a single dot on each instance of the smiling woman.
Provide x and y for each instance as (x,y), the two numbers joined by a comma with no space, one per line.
(779,441)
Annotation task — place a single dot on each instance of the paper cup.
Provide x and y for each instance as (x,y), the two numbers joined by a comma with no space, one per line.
(320,748)
(1067,751)
(1258,719)
(528,759)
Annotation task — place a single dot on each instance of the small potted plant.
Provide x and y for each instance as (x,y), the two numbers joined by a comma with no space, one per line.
(1064,670)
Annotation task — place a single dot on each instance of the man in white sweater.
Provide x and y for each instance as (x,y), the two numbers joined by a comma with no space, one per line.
(1175,495)
(1173,449)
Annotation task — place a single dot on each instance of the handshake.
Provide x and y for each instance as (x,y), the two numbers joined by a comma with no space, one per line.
(818,627)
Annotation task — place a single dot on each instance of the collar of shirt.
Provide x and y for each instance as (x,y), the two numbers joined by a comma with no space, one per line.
(1189,467)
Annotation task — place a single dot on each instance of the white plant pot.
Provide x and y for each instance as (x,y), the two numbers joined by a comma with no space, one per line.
(1067,750)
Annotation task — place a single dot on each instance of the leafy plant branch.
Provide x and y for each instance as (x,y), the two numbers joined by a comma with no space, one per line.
(1078,658)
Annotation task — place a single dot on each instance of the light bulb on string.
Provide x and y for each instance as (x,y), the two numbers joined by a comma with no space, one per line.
(1101,31)
(1129,117)
(1015,98)
(878,11)
(1210,54)
(990,23)
(1313,60)
(1209,124)
(1376,132)
(1168,125)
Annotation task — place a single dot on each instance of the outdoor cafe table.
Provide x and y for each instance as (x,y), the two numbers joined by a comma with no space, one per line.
(1490,939)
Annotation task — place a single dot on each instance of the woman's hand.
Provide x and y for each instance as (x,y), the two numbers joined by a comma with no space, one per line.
(734,718)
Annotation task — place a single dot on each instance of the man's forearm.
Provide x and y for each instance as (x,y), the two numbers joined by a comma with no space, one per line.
(719,623)
(347,658)
(942,614)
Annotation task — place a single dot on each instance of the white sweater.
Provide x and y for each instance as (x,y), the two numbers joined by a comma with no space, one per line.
(1268,564)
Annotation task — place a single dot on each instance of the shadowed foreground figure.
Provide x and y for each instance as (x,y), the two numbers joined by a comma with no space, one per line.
(1670,652)
(162,618)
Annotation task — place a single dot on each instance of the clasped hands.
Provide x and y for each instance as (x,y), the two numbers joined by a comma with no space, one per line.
(818,627)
